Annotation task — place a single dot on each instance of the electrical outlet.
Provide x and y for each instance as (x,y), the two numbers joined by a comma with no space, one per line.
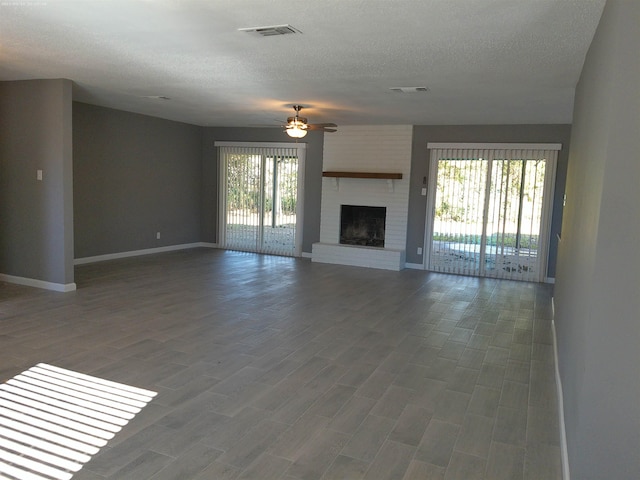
(423,192)
(157,235)
(38,174)
(419,250)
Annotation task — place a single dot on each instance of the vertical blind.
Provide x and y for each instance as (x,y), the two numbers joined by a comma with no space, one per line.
(489,211)
(260,199)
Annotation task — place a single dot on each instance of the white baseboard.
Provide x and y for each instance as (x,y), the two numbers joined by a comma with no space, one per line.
(549,280)
(146,251)
(414,266)
(306,255)
(32,282)
(566,474)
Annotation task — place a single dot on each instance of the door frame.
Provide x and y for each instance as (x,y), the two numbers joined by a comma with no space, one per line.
(222,187)
(548,194)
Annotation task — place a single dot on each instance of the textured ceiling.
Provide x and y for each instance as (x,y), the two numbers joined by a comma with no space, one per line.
(484,61)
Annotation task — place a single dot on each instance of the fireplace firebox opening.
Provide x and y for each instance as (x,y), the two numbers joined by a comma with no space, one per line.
(362,225)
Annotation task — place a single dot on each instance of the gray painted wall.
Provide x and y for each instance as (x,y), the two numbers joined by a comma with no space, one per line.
(134,175)
(487,134)
(36,217)
(312,177)
(597,292)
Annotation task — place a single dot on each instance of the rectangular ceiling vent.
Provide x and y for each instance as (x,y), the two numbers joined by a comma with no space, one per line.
(409,89)
(271,30)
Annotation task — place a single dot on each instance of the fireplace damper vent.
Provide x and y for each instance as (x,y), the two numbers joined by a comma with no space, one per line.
(362,225)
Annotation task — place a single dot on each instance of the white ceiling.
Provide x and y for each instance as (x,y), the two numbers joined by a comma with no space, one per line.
(484,61)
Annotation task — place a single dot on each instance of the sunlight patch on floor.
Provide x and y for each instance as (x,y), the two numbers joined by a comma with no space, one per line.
(53,420)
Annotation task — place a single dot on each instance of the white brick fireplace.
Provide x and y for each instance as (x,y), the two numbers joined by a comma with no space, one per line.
(366,150)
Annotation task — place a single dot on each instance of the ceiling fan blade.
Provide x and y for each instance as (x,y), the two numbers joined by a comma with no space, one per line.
(322,126)
(330,130)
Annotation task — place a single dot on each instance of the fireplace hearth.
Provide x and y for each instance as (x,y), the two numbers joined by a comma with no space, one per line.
(362,225)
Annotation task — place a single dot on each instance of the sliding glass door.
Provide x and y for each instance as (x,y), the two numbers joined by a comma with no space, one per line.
(489,211)
(261,208)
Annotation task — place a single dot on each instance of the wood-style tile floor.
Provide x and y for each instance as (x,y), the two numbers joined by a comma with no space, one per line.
(279,368)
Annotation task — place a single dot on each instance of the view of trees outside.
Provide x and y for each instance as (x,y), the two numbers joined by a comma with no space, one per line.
(460,198)
(261,199)
(510,204)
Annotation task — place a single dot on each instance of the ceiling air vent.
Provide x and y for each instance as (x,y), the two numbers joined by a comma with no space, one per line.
(271,30)
(409,89)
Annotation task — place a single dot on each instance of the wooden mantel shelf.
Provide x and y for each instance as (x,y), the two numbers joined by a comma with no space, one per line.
(382,176)
(389,177)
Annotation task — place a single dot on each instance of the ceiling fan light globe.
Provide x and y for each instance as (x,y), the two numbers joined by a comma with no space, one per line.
(296,132)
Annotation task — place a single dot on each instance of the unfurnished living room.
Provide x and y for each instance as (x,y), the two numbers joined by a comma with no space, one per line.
(392,239)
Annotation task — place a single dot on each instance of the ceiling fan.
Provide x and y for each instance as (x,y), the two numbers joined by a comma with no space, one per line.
(297,126)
